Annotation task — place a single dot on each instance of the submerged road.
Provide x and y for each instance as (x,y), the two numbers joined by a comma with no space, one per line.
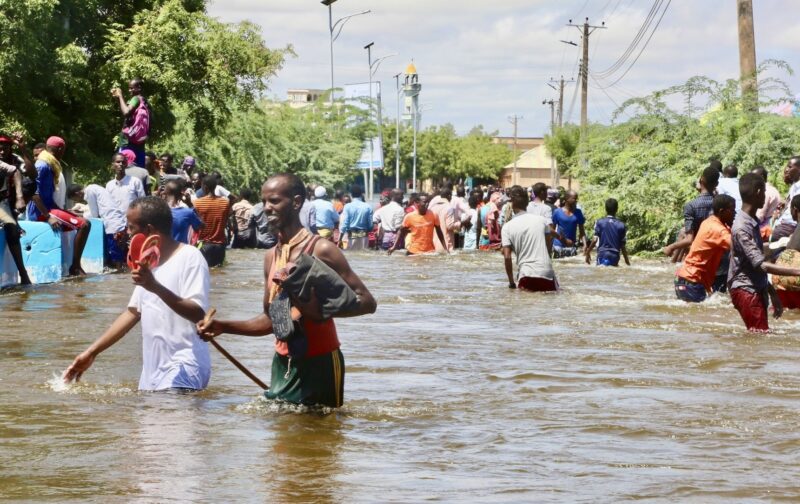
(456,389)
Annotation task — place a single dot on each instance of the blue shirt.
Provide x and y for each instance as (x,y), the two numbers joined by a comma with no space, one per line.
(356,216)
(327,216)
(45,188)
(610,233)
(696,211)
(567,225)
(182,219)
(308,217)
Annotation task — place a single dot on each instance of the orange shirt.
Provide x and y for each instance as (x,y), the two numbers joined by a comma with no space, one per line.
(712,241)
(214,214)
(421,229)
(338,206)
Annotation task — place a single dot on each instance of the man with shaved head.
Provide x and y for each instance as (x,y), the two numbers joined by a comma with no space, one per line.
(308,367)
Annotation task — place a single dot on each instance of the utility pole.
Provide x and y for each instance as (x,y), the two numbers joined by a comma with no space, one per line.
(561,83)
(514,120)
(553,172)
(586,30)
(747,55)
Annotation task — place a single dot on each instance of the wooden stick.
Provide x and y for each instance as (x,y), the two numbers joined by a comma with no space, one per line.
(206,321)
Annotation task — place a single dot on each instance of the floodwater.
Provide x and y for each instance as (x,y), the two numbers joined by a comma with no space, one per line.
(457,389)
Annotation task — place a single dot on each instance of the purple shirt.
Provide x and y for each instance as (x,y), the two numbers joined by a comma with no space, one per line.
(747,255)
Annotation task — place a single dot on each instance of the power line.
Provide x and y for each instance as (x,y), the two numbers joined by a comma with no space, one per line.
(614,9)
(598,13)
(607,95)
(584,6)
(643,47)
(634,43)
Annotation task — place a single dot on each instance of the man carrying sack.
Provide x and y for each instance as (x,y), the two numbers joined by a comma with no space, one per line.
(308,283)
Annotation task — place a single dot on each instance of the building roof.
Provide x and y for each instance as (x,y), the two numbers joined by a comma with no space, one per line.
(411,69)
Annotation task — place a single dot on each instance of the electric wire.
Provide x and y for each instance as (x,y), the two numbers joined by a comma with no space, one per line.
(643,47)
(634,43)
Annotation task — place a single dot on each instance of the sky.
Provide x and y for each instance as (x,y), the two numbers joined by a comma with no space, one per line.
(481,62)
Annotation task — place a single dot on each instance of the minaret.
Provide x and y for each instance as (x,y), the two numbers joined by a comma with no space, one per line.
(411,88)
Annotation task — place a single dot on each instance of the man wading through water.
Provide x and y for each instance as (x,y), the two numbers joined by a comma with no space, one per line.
(309,368)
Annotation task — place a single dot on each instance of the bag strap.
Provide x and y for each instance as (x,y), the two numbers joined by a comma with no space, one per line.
(310,245)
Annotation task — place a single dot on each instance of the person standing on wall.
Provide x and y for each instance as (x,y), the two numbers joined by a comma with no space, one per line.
(136,123)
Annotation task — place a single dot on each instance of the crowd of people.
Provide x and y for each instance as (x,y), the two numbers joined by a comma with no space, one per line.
(196,219)
(736,233)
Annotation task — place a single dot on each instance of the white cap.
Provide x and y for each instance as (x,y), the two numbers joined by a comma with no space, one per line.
(320,192)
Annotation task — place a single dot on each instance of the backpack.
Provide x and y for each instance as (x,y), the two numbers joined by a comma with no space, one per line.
(137,127)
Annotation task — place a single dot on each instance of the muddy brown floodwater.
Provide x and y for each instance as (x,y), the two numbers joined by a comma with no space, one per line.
(457,389)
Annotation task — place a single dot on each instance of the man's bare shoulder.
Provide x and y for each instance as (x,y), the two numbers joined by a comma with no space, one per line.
(325,248)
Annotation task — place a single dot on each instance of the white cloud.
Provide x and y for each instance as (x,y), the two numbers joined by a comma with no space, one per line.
(480,61)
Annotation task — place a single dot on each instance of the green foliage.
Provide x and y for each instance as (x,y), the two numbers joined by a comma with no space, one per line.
(479,157)
(437,152)
(442,154)
(271,138)
(652,162)
(563,146)
(186,57)
(59,60)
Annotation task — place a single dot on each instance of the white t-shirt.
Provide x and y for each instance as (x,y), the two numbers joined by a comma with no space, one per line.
(219,192)
(542,209)
(173,355)
(60,194)
(730,186)
(103,206)
(125,191)
(526,235)
(390,217)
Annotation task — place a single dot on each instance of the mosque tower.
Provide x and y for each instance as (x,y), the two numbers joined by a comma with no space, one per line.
(411,89)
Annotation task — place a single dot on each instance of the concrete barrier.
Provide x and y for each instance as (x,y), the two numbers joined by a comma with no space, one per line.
(92,258)
(48,254)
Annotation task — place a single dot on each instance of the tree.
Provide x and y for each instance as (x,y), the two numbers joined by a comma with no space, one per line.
(479,157)
(651,162)
(271,138)
(59,60)
(437,152)
(442,154)
(563,146)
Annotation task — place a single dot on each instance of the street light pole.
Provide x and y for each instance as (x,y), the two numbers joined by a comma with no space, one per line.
(414,170)
(368,47)
(373,68)
(331,28)
(397,134)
